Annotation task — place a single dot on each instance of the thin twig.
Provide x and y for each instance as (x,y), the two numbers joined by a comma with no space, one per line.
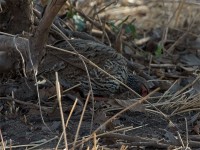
(186,130)
(2,141)
(71,88)
(81,118)
(28,104)
(42,143)
(61,110)
(67,122)
(122,111)
(86,69)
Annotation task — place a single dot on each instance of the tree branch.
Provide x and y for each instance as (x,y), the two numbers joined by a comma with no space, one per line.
(38,41)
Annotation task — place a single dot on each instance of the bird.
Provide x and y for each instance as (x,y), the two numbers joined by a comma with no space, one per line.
(72,70)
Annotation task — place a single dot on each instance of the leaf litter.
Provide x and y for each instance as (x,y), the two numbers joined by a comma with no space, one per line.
(164,42)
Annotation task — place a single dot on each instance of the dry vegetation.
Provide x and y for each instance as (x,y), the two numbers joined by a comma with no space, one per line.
(162,44)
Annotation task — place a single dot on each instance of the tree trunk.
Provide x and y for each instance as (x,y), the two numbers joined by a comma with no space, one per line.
(16,16)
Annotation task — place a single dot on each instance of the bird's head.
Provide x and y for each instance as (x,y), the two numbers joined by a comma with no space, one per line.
(138,84)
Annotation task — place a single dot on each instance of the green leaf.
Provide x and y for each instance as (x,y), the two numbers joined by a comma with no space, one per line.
(158,51)
(113,26)
(123,21)
(130,28)
(70,14)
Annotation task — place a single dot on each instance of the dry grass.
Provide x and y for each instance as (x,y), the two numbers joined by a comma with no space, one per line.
(181,16)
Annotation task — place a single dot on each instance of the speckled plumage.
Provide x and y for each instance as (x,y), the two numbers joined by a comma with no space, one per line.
(71,68)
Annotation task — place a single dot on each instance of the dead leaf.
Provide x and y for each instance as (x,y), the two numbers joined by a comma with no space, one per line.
(190,59)
(48,92)
(171,137)
(100,118)
(188,69)
(126,103)
(195,117)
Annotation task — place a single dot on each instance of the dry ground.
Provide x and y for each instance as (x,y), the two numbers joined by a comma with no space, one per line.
(166,46)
